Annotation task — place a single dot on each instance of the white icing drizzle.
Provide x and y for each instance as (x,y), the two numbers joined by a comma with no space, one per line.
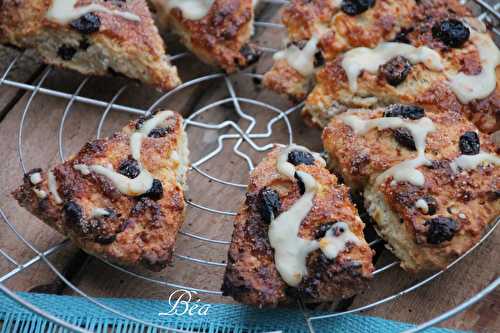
(470,87)
(64,11)
(470,162)
(422,205)
(365,59)
(100,212)
(290,250)
(143,182)
(191,9)
(332,244)
(52,183)
(419,129)
(41,194)
(84,170)
(301,60)
(35,178)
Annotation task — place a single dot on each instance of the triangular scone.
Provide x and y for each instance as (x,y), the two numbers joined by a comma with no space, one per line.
(297,235)
(447,59)
(320,30)
(120,198)
(91,37)
(216,31)
(430,179)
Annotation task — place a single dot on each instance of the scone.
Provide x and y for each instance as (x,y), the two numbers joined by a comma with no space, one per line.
(355,158)
(297,235)
(430,179)
(216,31)
(91,37)
(320,30)
(120,198)
(445,59)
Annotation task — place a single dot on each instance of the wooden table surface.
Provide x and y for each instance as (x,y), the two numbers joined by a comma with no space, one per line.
(40,149)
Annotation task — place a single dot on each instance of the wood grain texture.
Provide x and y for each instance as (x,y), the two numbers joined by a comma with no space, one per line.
(40,149)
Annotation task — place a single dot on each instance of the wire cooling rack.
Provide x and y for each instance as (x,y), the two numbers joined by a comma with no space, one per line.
(235,133)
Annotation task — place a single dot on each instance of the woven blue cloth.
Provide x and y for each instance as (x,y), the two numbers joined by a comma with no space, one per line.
(219,318)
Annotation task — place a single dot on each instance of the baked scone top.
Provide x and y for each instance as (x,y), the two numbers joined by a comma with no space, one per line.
(122,31)
(296,229)
(120,198)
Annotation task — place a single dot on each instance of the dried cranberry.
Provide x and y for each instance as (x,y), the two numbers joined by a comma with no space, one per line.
(73,213)
(269,204)
(356,7)
(412,112)
(66,52)
(129,168)
(323,229)
(160,132)
(297,157)
(404,137)
(451,32)
(155,192)
(469,143)
(300,183)
(396,70)
(440,229)
(86,24)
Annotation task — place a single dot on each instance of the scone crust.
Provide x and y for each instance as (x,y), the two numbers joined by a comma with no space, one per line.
(338,33)
(139,231)
(132,48)
(221,38)
(470,198)
(357,158)
(422,86)
(251,275)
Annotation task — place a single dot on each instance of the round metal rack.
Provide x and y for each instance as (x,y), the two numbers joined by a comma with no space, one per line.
(239,135)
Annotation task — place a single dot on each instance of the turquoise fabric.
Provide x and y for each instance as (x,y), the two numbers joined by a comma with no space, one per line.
(220,317)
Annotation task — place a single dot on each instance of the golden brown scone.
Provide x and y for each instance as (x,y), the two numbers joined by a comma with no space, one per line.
(129,221)
(430,210)
(471,52)
(219,35)
(93,37)
(356,158)
(339,27)
(252,275)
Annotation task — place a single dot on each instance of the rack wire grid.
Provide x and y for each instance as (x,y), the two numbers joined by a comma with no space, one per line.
(487,13)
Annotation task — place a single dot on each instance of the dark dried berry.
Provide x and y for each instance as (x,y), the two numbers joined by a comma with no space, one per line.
(396,70)
(402,36)
(160,132)
(412,112)
(319,60)
(452,33)
(84,44)
(155,192)
(129,168)
(66,52)
(105,239)
(323,229)
(440,229)
(356,7)
(432,204)
(250,54)
(297,157)
(404,137)
(300,183)
(73,214)
(469,143)
(269,204)
(86,24)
